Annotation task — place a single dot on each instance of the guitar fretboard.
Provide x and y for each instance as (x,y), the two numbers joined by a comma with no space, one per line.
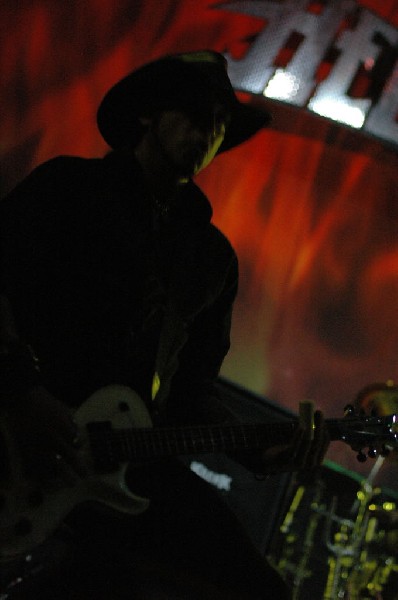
(149,443)
(120,445)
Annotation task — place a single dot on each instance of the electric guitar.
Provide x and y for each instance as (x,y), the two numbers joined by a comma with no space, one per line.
(116,429)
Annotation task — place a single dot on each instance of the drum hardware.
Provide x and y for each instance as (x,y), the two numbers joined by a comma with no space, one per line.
(371,577)
(361,550)
(356,556)
(297,573)
(354,573)
(345,546)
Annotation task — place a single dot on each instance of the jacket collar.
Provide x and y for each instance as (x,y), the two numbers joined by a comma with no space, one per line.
(191,204)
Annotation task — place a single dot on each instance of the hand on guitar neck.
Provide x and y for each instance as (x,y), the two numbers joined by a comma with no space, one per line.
(305,450)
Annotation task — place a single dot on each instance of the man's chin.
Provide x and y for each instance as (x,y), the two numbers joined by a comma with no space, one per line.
(187,170)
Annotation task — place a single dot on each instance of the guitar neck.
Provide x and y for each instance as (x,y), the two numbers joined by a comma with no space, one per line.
(206,439)
(148,443)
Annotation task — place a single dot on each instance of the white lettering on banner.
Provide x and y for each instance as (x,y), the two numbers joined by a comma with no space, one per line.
(219,480)
(382,120)
(331,99)
(356,38)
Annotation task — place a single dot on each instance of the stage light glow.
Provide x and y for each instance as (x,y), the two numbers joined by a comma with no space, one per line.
(338,110)
(282,86)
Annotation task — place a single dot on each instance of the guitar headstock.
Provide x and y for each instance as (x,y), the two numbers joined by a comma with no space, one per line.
(369,435)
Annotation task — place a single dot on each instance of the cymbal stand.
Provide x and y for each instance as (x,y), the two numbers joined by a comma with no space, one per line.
(347,544)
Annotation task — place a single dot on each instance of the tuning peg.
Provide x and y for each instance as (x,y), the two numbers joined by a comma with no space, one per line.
(372,452)
(361,457)
(349,410)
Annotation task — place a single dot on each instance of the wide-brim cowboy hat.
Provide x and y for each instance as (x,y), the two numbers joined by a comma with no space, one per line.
(192,80)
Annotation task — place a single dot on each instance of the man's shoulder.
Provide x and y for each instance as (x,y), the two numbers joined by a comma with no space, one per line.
(69,164)
(202,212)
(56,174)
(221,239)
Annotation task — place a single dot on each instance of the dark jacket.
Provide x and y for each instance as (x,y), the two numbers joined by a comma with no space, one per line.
(106,292)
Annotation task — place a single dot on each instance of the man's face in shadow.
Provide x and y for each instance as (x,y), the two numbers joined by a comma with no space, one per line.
(189,139)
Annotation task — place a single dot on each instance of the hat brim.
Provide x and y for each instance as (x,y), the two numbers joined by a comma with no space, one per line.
(169,83)
(246,121)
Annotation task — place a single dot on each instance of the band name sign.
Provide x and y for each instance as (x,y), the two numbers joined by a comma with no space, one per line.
(333,57)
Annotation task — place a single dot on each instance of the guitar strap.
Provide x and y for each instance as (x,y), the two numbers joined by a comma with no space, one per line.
(180,256)
(173,331)
(180,264)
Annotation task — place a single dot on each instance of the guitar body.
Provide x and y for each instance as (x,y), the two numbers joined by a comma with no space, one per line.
(115,430)
(28,518)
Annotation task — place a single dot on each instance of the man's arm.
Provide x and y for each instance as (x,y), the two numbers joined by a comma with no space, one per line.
(40,425)
(194,397)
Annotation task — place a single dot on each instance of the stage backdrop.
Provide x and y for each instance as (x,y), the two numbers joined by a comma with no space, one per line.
(310,206)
